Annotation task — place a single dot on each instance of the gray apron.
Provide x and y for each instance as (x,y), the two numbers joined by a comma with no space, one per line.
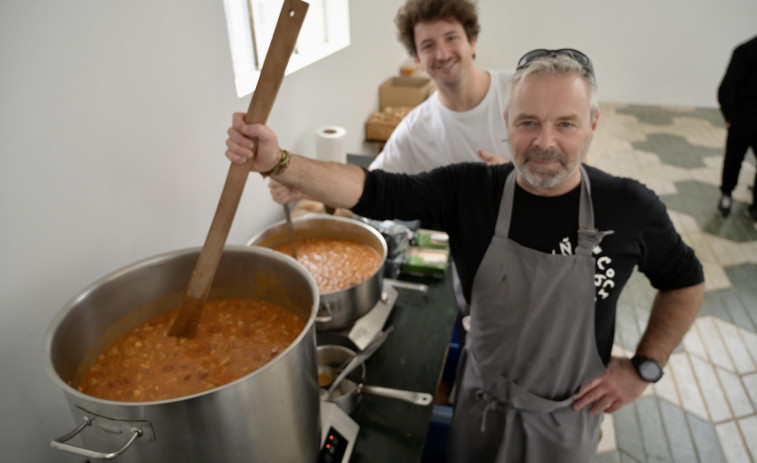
(530,348)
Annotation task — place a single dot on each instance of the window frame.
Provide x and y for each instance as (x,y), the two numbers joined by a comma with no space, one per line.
(244,18)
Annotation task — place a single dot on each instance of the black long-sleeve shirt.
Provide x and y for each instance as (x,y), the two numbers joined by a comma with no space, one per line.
(463,200)
(737,93)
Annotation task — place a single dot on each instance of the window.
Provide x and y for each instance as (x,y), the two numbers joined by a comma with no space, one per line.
(251,23)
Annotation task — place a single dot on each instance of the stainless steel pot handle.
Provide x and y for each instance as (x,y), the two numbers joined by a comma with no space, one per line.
(324,318)
(60,445)
(421,288)
(417,398)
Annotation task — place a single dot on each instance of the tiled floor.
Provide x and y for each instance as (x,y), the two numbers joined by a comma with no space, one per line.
(705,407)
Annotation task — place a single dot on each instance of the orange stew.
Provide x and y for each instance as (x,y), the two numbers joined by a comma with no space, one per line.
(234,337)
(336,263)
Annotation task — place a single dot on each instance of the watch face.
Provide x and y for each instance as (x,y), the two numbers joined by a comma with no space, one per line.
(650,371)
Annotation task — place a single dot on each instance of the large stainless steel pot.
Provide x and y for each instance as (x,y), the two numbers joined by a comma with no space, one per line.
(270,415)
(338,309)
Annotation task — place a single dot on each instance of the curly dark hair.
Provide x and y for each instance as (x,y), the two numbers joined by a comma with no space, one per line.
(415,11)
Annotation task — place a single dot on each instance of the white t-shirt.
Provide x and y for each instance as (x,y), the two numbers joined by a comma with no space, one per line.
(432,135)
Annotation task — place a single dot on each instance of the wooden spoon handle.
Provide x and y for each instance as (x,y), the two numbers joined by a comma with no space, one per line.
(282,46)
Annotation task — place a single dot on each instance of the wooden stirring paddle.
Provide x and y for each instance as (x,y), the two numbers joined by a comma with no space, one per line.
(276,60)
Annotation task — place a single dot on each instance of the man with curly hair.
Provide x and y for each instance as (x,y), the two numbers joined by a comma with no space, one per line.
(463,121)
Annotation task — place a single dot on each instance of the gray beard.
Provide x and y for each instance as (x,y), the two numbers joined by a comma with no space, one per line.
(544,179)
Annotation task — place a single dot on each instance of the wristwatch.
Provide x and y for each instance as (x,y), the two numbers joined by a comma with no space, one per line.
(648,369)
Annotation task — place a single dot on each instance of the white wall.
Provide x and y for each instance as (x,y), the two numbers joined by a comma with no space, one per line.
(645,51)
(113,119)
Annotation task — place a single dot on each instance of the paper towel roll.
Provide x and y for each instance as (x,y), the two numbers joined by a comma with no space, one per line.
(329,144)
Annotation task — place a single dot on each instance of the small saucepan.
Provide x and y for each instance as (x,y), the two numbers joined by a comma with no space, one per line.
(341,308)
(347,394)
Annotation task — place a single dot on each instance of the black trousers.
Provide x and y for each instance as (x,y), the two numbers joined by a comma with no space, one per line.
(741,135)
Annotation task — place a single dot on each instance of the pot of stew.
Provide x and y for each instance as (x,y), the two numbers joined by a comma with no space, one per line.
(345,256)
(198,408)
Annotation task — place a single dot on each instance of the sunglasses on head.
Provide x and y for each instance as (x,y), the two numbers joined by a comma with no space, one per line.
(575,55)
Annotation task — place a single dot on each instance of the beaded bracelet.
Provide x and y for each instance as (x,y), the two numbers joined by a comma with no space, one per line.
(280,167)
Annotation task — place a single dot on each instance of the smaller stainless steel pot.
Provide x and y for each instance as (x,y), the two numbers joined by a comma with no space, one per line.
(337,309)
(347,394)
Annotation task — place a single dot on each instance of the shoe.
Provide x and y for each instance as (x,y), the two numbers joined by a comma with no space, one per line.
(724,205)
(752,211)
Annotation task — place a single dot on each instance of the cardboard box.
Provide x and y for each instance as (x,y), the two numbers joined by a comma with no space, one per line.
(382,123)
(378,130)
(404,91)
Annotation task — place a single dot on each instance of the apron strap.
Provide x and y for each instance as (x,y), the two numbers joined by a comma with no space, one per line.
(506,206)
(588,236)
(585,208)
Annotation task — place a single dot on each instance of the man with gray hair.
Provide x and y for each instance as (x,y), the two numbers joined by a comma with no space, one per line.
(543,246)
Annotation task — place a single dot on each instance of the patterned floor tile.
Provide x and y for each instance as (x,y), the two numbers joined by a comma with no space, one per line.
(712,392)
(737,350)
(712,307)
(608,457)
(666,388)
(732,442)
(748,427)
(738,314)
(750,385)
(675,150)
(699,132)
(735,393)
(714,344)
(706,441)
(750,341)
(688,388)
(628,432)
(715,276)
(701,242)
(684,223)
(627,333)
(656,444)
(659,115)
(625,458)
(697,200)
(677,434)
(711,115)
(749,250)
(744,280)
(607,443)
(694,344)
(727,252)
